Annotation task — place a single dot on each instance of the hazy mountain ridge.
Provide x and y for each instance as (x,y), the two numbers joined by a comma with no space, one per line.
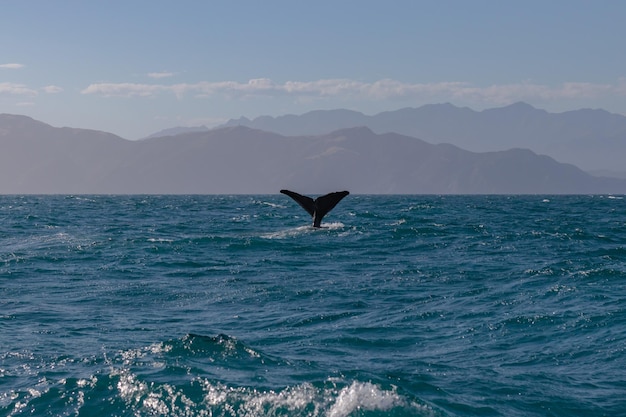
(38,158)
(593,140)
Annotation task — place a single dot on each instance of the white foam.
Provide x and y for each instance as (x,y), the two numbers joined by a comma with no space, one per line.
(160,240)
(282,234)
(274,205)
(333,226)
(301,230)
(364,396)
(292,399)
(130,388)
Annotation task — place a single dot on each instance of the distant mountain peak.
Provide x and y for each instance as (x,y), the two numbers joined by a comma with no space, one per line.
(17,120)
(241,121)
(8,116)
(519,105)
(178,130)
(353,131)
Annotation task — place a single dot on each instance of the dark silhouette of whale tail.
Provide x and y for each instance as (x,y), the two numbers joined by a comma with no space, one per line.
(319,207)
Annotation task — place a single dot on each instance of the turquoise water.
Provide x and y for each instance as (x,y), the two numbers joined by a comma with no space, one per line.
(235,306)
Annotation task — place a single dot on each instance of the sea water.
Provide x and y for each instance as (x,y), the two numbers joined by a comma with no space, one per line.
(235,306)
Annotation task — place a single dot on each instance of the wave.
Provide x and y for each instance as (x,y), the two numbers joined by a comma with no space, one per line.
(306,399)
(195,375)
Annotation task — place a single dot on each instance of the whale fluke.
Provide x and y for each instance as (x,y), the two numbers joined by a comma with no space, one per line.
(319,207)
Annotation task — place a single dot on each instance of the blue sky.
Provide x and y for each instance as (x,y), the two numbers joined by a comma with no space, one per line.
(135,67)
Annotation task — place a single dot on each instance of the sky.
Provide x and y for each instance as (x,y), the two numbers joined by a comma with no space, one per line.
(133,68)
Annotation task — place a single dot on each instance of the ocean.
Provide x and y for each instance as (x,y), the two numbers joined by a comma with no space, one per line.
(236,306)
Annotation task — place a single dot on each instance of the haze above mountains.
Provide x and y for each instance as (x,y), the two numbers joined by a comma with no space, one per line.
(438,149)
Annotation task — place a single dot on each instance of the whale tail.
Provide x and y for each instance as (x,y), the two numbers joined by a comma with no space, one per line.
(319,207)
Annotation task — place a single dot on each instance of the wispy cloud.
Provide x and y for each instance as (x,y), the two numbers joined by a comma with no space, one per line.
(385,89)
(16,89)
(159,75)
(125,89)
(11,66)
(52,89)
(622,86)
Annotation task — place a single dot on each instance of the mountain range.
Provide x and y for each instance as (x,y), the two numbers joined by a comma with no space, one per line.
(593,140)
(38,158)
